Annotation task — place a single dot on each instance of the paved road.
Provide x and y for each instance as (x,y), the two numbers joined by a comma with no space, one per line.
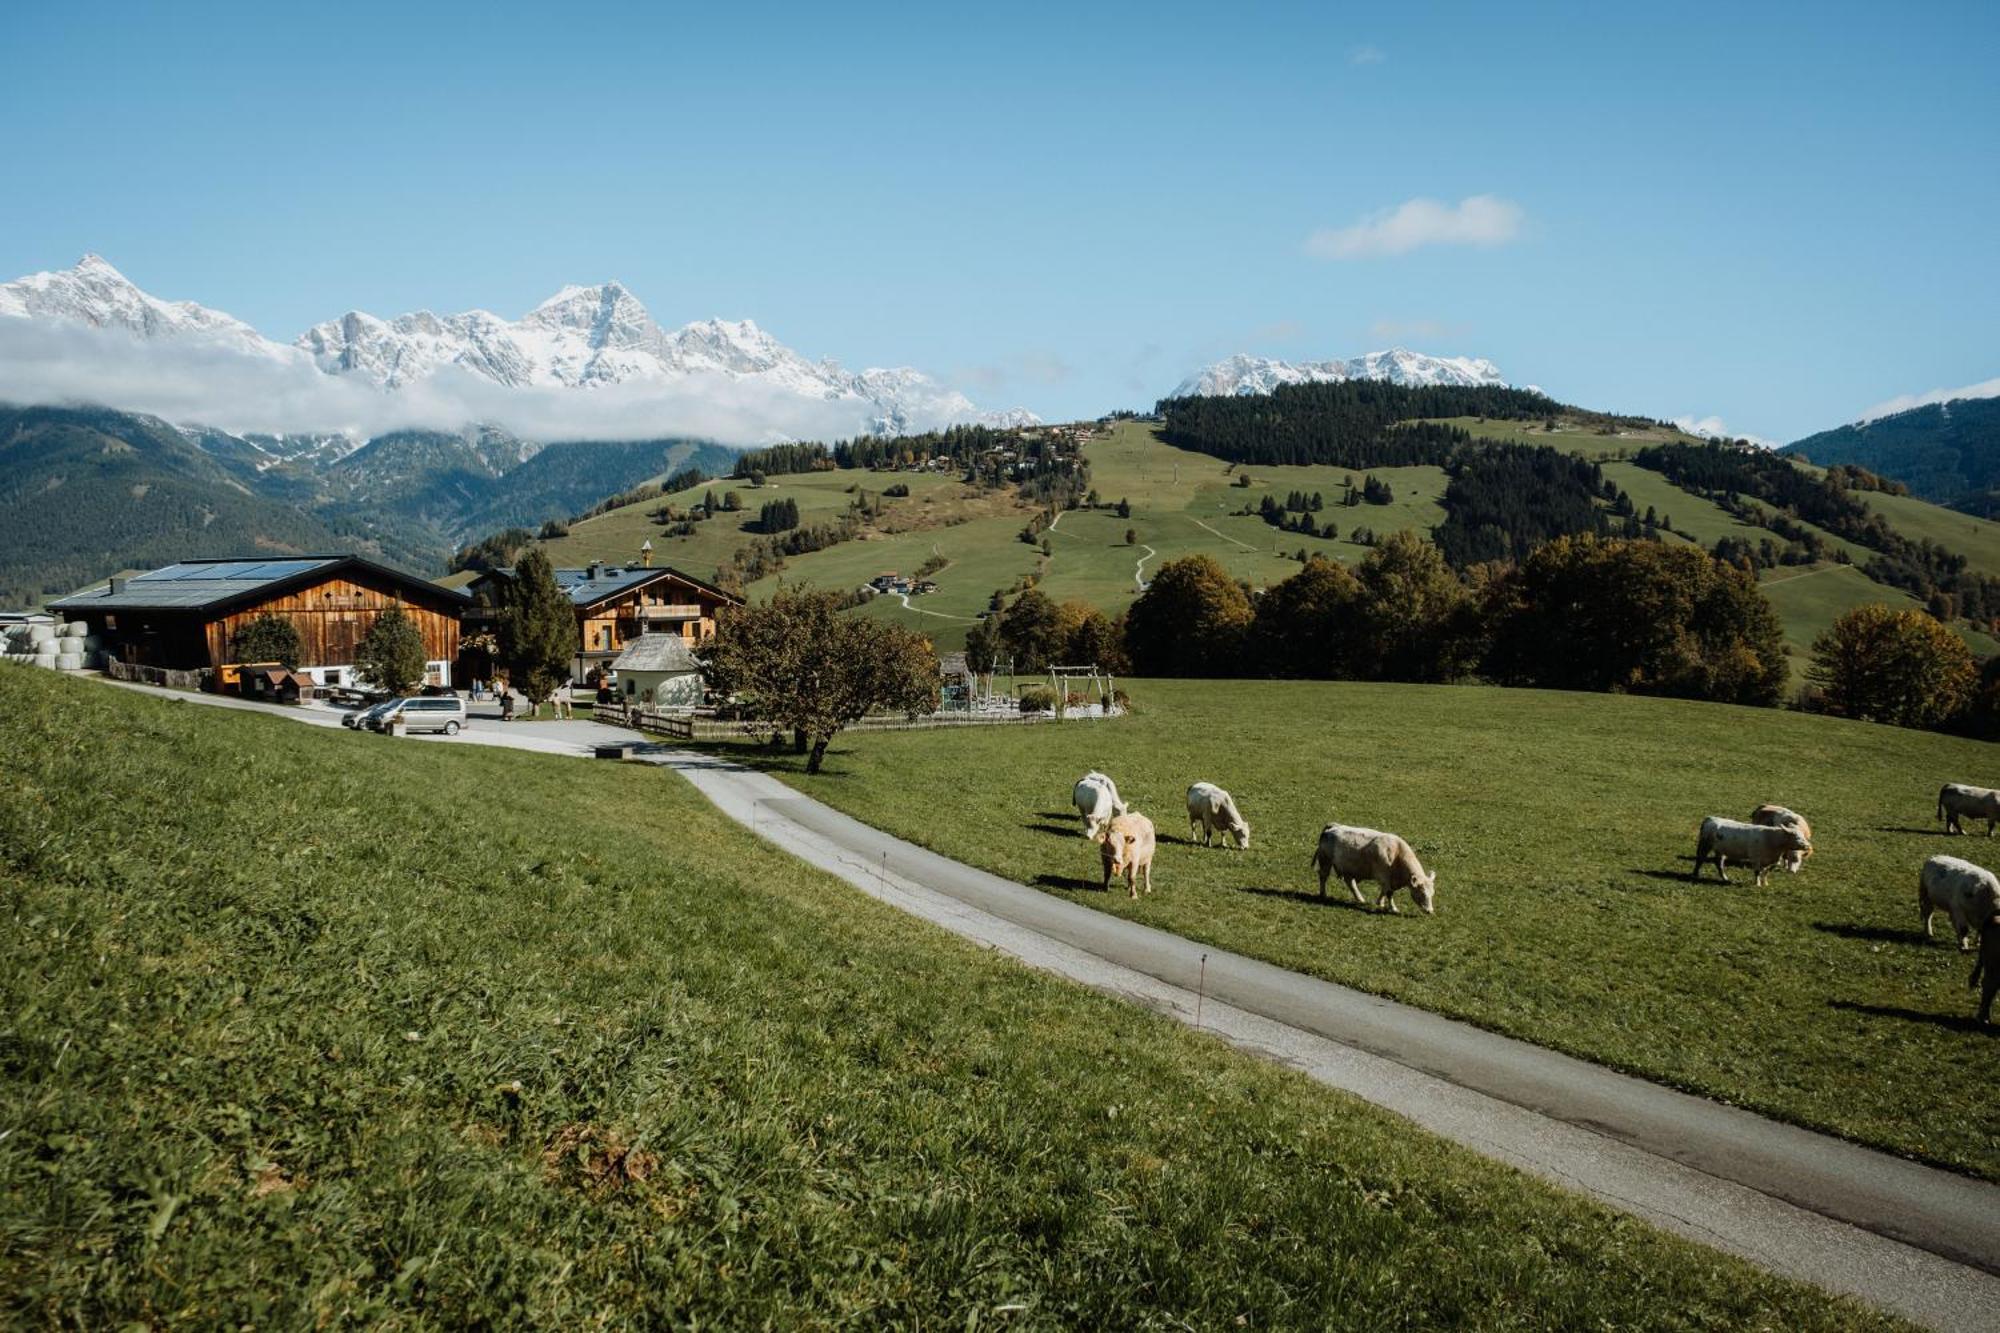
(1919,1242)
(1910,1239)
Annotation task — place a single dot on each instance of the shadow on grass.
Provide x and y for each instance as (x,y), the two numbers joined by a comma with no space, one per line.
(1311,897)
(1054,830)
(1950,1022)
(1905,828)
(1068,883)
(1671,876)
(1878,934)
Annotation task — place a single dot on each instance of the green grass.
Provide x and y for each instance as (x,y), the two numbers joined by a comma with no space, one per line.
(1977,539)
(1572,435)
(1809,599)
(1561,828)
(371,1034)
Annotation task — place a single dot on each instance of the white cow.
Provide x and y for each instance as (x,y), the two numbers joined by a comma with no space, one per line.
(1777,816)
(1956,801)
(1970,893)
(1724,840)
(1356,854)
(1096,799)
(1211,810)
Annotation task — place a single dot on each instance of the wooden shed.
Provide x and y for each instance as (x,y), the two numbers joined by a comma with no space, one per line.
(185,617)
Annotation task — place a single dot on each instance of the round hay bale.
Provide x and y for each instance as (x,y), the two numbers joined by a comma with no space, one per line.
(72,644)
(69,661)
(76,629)
(41,634)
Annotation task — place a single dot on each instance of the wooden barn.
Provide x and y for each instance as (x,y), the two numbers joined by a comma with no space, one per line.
(185,617)
(615,605)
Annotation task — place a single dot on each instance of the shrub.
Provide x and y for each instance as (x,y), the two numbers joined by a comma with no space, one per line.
(1037,699)
(1901,667)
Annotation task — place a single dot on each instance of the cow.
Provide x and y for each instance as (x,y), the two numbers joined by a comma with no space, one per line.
(1211,810)
(1956,801)
(1989,963)
(1096,799)
(1724,840)
(1127,848)
(1356,854)
(1969,892)
(1777,816)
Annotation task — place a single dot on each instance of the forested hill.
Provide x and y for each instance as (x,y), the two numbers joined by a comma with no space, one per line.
(1947,453)
(1351,424)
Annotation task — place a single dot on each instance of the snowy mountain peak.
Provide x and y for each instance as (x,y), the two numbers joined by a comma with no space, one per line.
(581,337)
(1245,374)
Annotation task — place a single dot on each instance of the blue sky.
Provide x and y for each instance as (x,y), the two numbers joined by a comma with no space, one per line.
(1775,215)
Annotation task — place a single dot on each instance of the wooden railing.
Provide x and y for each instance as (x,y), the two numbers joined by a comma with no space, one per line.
(682,726)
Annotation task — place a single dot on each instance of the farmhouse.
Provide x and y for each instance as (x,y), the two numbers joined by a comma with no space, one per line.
(614,606)
(185,617)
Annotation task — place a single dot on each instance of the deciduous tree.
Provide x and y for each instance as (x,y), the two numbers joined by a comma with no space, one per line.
(1901,667)
(391,654)
(1190,621)
(268,638)
(812,670)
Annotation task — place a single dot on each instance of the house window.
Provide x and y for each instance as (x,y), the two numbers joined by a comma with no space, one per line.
(604,636)
(111,622)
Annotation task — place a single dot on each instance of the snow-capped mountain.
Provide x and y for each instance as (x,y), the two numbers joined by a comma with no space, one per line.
(580,338)
(97,294)
(1243,374)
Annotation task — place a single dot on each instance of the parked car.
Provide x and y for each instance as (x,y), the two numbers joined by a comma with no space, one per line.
(363,719)
(445,713)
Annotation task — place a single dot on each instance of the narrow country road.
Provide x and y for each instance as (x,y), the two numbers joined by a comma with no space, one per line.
(1910,1239)
(1139,571)
(1226,537)
(905,598)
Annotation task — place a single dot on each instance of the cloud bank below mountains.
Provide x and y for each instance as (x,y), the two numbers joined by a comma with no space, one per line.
(191,381)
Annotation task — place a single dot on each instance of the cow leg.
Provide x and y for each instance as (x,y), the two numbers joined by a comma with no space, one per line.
(1354,887)
(1721,872)
(1149,876)
(1324,869)
(1386,901)
(1132,882)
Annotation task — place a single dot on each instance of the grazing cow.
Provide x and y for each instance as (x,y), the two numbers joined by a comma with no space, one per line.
(1776,816)
(1724,840)
(1970,893)
(1096,799)
(1356,854)
(1127,848)
(1211,810)
(1989,963)
(1957,801)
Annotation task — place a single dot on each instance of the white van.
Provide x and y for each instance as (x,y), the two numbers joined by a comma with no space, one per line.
(444,712)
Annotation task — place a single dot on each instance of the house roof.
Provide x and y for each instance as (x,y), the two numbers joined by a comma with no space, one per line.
(614,580)
(205,585)
(656,652)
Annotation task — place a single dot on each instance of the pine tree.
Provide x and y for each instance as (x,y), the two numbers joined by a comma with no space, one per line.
(390,655)
(536,628)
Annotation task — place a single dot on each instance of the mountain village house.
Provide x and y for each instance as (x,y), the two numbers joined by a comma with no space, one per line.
(615,605)
(185,617)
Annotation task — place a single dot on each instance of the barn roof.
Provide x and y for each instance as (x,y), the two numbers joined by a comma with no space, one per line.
(589,586)
(203,585)
(656,652)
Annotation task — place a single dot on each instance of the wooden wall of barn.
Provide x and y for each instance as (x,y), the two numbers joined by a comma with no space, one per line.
(333,615)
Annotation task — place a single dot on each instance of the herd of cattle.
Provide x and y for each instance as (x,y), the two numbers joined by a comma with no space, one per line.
(1772,837)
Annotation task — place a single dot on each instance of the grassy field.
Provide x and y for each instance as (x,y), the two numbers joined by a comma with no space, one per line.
(366,1034)
(1571,434)
(1808,600)
(1561,828)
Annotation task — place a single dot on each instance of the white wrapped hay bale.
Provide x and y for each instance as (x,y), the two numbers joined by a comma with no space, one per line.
(69,661)
(76,629)
(41,634)
(70,645)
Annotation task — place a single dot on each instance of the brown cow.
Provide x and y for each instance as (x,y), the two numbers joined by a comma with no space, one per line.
(1127,847)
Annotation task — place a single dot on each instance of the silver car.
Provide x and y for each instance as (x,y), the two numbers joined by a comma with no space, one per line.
(444,712)
(363,719)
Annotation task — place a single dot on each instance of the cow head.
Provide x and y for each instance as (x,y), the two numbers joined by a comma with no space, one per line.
(1117,850)
(1241,832)
(1424,890)
(1796,841)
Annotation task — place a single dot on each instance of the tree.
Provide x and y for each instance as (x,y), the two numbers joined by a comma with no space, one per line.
(813,671)
(778,516)
(1031,631)
(1415,620)
(552,529)
(1639,617)
(269,638)
(1131,536)
(1305,624)
(732,501)
(1124,509)
(391,654)
(536,628)
(1190,621)
(1900,667)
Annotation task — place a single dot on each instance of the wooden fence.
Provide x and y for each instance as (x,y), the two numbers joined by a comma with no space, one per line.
(689,727)
(152,675)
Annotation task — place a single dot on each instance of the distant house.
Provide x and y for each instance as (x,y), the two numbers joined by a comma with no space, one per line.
(658,670)
(614,606)
(185,617)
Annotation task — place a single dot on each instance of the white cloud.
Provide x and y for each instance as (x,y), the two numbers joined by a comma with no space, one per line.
(193,381)
(1482,220)
(1711,428)
(1903,403)
(1366,55)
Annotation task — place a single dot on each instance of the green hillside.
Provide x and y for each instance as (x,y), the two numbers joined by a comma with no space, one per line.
(631,1066)
(1561,829)
(1948,453)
